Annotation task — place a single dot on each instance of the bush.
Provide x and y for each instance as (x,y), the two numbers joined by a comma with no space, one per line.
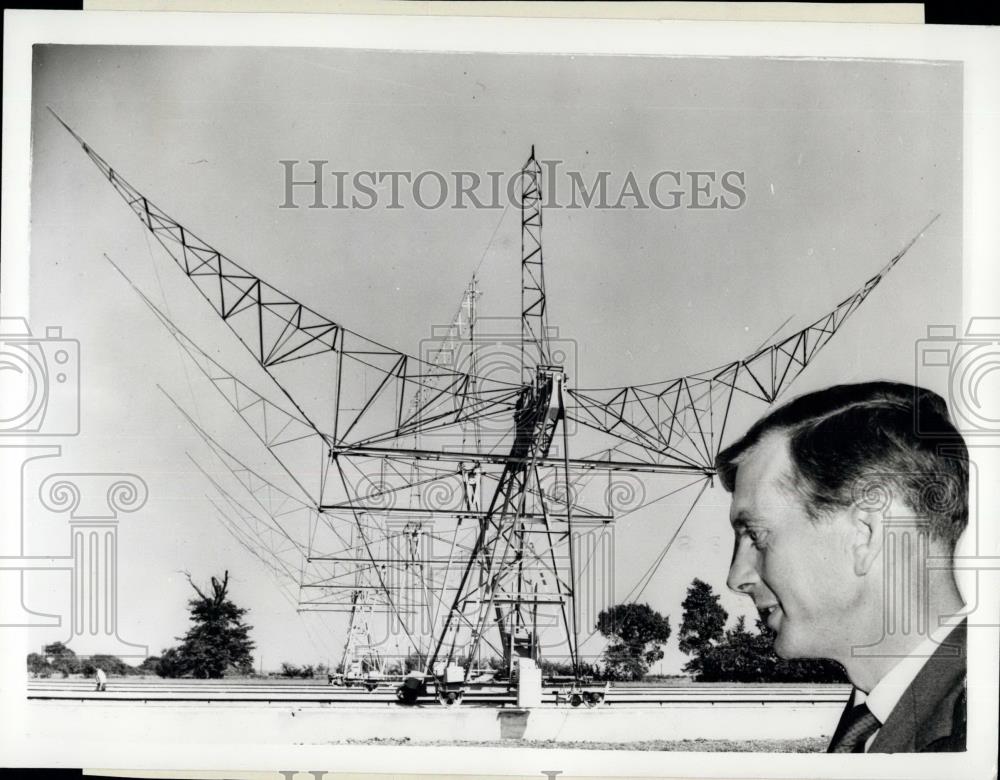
(111,664)
(565,669)
(171,663)
(38,666)
(737,654)
(744,656)
(62,659)
(307,672)
(415,662)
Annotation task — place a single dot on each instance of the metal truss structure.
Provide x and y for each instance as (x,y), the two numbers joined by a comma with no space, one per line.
(444,499)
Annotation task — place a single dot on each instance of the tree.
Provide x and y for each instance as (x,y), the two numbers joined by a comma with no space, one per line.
(111,664)
(739,657)
(747,656)
(149,665)
(739,654)
(171,663)
(62,659)
(306,672)
(636,632)
(219,640)
(702,625)
(38,666)
(814,670)
(414,662)
(551,668)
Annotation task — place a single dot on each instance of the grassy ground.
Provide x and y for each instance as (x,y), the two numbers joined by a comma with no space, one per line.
(809,745)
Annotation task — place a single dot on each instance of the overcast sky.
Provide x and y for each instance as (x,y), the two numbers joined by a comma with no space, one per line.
(842,163)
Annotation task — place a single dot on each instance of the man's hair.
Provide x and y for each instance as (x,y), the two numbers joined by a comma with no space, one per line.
(849,443)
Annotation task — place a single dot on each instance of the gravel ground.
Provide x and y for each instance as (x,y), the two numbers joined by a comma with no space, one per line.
(810,745)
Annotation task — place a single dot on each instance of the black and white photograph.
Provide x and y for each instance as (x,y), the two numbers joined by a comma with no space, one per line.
(518,398)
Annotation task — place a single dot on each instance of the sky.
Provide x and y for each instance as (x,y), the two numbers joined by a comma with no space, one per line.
(842,162)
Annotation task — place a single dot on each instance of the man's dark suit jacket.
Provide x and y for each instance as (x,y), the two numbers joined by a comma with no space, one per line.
(931,714)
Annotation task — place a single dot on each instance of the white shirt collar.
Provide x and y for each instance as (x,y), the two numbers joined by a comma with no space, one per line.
(883,698)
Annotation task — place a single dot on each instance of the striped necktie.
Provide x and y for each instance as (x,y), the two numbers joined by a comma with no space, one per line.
(857,727)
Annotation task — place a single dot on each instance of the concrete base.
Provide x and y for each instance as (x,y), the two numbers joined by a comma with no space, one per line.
(319,725)
(529,684)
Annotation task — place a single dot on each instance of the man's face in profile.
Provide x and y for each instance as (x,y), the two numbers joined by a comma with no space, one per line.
(799,572)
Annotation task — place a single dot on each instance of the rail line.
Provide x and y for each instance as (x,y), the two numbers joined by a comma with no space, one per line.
(210,692)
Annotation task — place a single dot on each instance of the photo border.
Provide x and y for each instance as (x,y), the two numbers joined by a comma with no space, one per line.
(977,48)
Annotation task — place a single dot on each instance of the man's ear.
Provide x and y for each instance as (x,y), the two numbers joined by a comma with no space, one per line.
(868,536)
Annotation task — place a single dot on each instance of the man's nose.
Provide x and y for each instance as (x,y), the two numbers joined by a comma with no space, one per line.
(742,572)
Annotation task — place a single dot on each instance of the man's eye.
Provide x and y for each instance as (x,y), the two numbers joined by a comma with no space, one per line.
(756,537)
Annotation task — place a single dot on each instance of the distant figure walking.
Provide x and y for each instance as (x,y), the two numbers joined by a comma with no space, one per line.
(102,680)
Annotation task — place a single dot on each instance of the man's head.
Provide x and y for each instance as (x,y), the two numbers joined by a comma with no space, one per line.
(809,537)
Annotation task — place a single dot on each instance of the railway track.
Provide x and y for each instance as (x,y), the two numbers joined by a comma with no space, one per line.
(293,693)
